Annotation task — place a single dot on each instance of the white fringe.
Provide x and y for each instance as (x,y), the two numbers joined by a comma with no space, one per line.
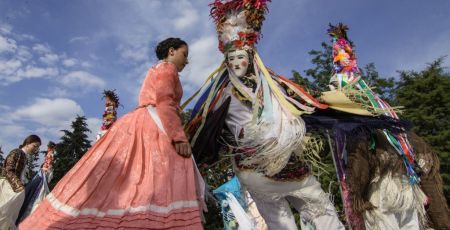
(274,141)
(393,194)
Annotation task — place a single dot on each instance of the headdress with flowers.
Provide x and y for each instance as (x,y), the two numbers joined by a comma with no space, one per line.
(238,22)
(349,82)
(111,104)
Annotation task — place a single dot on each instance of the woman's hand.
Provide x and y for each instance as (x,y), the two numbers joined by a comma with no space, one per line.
(183,149)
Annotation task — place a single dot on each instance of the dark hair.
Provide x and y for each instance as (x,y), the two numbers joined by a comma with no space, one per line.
(51,145)
(111,94)
(162,49)
(30,139)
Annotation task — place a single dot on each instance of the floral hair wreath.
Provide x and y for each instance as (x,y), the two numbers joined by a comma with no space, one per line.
(111,94)
(238,22)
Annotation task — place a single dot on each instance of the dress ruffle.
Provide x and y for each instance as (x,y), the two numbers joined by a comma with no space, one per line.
(131,178)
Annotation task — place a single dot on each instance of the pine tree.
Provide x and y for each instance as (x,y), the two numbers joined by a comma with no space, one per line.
(382,86)
(32,165)
(70,149)
(1,157)
(425,96)
(323,67)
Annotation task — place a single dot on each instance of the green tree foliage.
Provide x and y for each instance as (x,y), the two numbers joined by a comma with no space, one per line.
(305,83)
(185,116)
(425,96)
(322,69)
(2,159)
(70,149)
(32,165)
(382,86)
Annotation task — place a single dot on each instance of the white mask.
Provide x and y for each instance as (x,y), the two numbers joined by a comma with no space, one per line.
(238,62)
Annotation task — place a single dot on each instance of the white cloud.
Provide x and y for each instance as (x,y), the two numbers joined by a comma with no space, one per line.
(134,53)
(49,58)
(36,72)
(8,67)
(4,108)
(26,37)
(189,15)
(49,112)
(82,79)
(70,62)
(23,53)
(86,64)
(78,39)
(42,48)
(204,57)
(7,45)
(94,125)
(5,28)
(56,92)
(11,135)
(44,117)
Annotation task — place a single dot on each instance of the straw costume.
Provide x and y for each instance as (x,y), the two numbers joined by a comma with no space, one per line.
(256,114)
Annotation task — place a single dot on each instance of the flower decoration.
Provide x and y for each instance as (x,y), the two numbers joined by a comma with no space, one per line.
(344,59)
(111,104)
(238,22)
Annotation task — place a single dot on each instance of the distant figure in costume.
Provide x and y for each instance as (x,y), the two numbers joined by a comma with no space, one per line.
(140,174)
(257,113)
(110,113)
(47,166)
(37,189)
(13,180)
(379,168)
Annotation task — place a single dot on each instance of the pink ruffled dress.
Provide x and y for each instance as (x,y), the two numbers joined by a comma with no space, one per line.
(132,177)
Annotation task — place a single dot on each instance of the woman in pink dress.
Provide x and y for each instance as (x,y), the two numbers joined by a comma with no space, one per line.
(140,174)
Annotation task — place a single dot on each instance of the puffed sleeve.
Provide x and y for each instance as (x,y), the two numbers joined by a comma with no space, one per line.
(11,163)
(166,102)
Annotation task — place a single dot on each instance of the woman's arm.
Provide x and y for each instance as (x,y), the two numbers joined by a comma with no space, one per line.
(11,163)
(166,104)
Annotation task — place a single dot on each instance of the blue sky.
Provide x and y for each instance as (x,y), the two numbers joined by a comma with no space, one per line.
(56,56)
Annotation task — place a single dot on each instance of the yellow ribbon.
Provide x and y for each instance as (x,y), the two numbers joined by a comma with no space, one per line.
(198,91)
(286,104)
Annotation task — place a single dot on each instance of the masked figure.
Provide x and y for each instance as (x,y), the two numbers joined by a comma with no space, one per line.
(257,114)
(379,167)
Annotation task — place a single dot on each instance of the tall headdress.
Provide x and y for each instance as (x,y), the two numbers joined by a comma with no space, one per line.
(111,104)
(238,22)
(352,94)
(110,113)
(347,78)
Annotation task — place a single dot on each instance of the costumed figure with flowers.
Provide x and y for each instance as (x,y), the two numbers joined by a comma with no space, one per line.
(257,115)
(110,113)
(381,166)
